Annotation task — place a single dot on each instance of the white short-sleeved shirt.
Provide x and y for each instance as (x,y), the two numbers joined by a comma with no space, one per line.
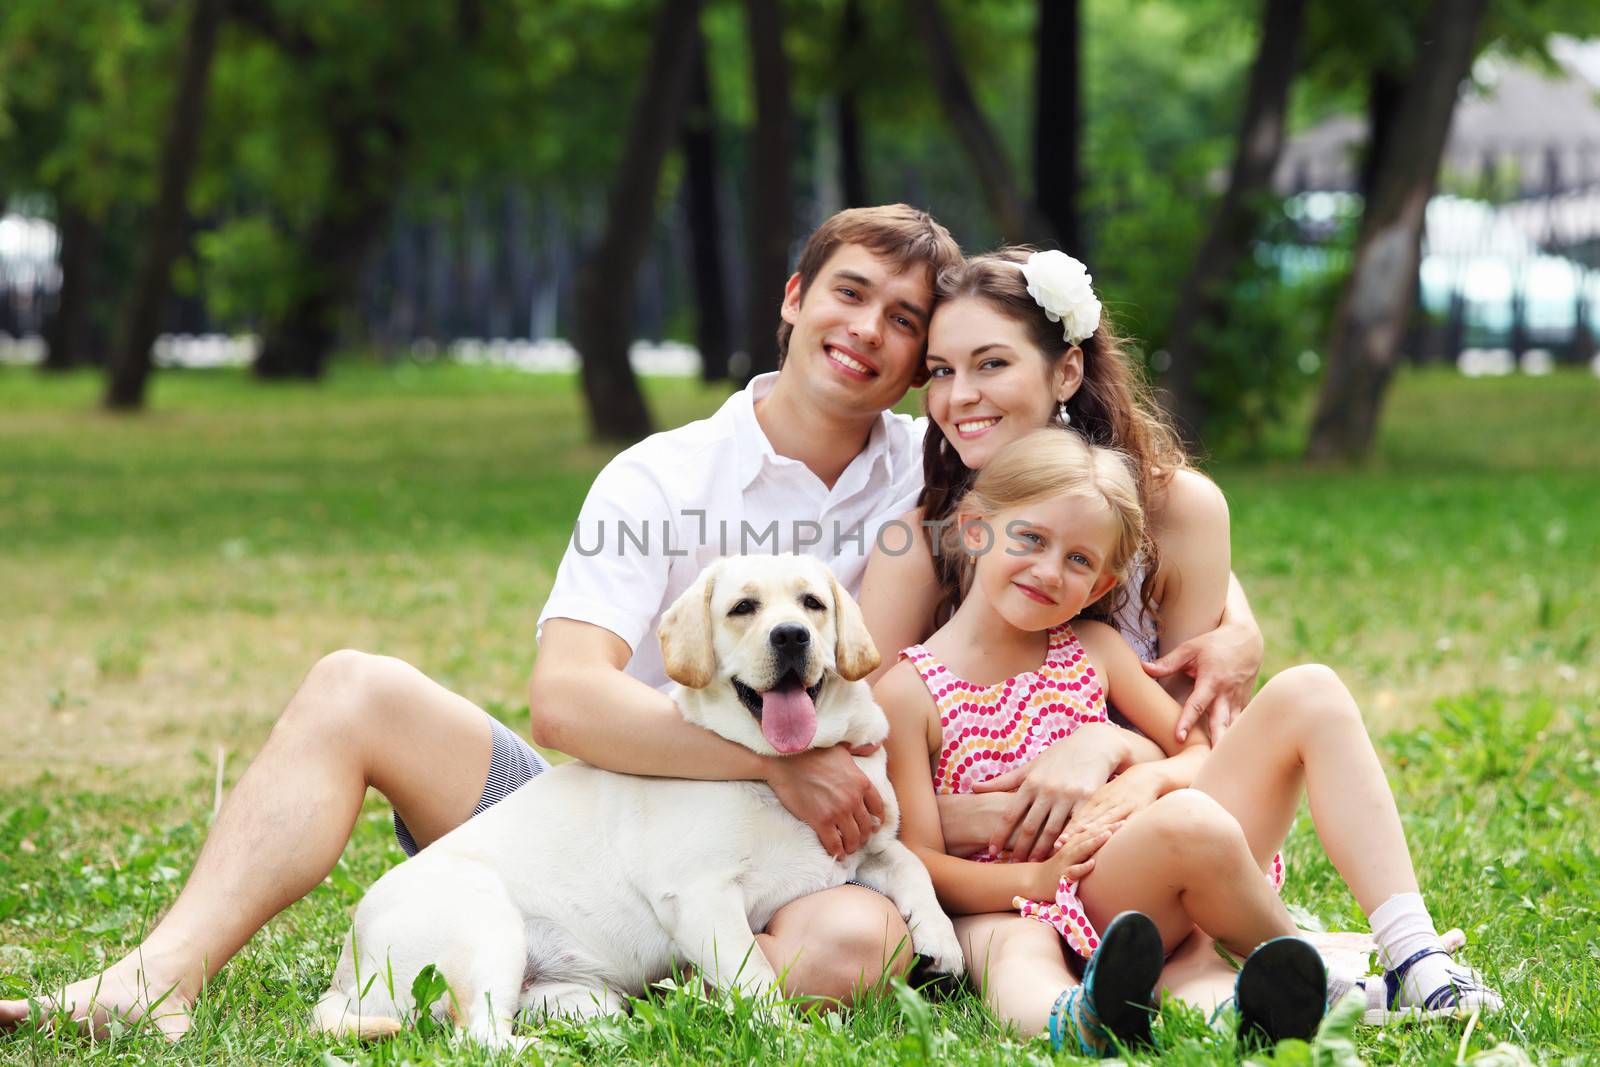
(671,504)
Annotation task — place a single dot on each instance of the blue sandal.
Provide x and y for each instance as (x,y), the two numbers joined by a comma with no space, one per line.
(1116,1001)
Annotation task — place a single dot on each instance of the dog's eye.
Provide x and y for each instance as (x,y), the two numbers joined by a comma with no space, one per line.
(811,603)
(743,607)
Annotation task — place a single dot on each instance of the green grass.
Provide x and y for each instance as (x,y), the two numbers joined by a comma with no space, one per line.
(167,579)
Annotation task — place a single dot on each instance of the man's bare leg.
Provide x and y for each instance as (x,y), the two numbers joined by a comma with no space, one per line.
(356,721)
(835,943)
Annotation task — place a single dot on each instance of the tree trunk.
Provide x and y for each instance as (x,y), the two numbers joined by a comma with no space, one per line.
(769,223)
(1013,214)
(1371,320)
(852,159)
(1056,132)
(1203,299)
(1383,99)
(130,363)
(608,278)
(705,223)
(67,335)
(298,343)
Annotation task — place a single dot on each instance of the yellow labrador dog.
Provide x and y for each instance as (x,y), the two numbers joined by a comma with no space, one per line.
(585,886)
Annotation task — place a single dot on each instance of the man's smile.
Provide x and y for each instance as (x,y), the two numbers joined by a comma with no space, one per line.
(850,362)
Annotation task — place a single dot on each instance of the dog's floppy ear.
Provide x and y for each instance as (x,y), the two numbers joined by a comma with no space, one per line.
(685,634)
(854,654)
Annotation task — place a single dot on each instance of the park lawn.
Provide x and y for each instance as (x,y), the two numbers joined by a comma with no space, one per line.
(167,580)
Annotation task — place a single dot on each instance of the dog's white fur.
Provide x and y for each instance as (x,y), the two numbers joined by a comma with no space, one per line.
(585,886)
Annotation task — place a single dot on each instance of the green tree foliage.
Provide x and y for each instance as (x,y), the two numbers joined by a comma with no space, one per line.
(327,119)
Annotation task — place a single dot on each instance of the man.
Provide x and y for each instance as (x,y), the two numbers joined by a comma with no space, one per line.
(808,458)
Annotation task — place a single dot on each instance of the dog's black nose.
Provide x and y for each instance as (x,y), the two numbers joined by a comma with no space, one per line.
(789,636)
(791,642)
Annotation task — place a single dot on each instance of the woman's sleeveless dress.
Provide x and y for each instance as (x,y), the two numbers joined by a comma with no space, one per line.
(988,730)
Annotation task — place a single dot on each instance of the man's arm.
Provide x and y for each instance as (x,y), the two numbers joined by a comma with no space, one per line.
(583,703)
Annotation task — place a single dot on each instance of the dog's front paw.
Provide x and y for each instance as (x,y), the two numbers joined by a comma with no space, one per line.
(936,942)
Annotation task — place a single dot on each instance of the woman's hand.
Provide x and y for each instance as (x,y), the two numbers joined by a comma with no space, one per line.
(1050,787)
(1131,791)
(1223,663)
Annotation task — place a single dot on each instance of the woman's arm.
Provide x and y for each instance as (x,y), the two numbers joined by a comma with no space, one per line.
(1147,706)
(995,819)
(1211,647)
(1044,792)
(899,594)
(964,887)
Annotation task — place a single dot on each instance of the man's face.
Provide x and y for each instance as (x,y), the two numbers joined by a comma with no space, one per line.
(860,332)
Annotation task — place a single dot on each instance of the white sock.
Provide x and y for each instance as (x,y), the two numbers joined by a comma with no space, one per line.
(1403,927)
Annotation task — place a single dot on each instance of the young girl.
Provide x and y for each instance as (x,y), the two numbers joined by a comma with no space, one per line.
(1046,531)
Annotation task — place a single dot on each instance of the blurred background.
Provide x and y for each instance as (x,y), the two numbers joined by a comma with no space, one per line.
(1282,202)
(318,319)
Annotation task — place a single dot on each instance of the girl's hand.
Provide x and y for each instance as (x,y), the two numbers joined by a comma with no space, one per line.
(1129,792)
(1223,663)
(1049,788)
(1073,861)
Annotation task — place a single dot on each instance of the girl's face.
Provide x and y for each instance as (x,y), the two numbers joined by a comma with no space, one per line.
(989,383)
(1041,564)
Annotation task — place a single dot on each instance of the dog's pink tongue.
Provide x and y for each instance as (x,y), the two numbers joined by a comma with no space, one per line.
(788,718)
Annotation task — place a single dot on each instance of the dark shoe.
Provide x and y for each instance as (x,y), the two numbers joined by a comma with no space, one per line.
(1281,992)
(1117,998)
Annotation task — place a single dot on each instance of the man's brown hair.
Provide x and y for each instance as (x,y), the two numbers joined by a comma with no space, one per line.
(900,233)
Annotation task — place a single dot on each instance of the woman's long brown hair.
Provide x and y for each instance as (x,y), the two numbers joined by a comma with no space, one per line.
(1113,407)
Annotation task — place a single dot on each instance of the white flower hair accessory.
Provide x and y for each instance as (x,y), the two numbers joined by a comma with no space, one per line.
(1061,285)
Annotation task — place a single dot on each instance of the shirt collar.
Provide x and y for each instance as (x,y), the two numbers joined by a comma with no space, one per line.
(756,451)
(754,448)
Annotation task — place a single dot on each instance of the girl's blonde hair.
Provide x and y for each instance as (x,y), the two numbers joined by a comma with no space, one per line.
(1047,465)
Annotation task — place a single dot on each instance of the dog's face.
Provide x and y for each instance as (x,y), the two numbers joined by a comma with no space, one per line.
(760,639)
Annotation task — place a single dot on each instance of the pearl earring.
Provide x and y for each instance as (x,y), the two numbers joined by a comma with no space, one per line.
(1065,416)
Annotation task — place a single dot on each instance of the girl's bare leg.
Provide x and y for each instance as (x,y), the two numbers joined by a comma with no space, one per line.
(1184,862)
(356,721)
(1017,964)
(1020,967)
(1303,735)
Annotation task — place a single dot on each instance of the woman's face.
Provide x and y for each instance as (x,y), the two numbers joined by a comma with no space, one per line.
(989,383)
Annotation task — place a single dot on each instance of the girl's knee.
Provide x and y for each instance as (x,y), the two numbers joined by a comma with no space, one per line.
(1189,822)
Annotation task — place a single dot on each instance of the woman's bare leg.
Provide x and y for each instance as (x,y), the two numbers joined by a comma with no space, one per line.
(1303,735)
(356,721)
(1184,862)
(1196,975)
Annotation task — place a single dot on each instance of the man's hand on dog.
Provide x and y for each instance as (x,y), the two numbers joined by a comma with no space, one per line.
(824,789)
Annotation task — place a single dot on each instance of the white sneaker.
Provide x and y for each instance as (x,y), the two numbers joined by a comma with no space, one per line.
(1462,993)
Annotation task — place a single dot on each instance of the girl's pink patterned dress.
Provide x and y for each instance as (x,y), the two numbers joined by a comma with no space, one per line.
(988,730)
